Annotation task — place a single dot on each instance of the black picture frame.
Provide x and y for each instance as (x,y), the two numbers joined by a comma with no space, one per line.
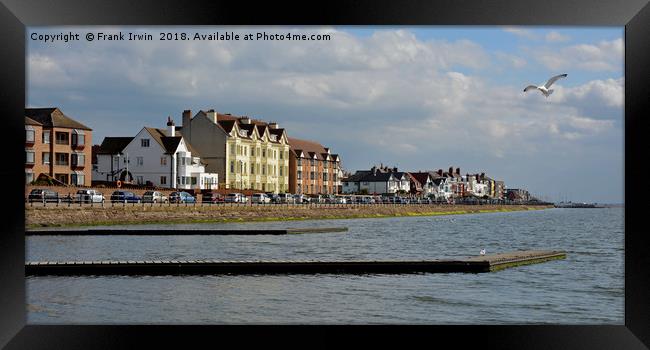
(15,15)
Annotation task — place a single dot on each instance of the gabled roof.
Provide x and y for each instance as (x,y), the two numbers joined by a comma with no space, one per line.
(309,147)
(227,125)
(113,145)
(377,177)
(30,121)
(53,117)
(168,143)
(421,177)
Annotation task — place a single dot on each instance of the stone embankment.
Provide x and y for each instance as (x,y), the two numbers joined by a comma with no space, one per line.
(64,215)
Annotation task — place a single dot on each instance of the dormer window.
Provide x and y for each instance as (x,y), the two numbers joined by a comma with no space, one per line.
(243,133)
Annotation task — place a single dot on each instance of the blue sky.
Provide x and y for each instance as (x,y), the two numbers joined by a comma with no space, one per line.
(424,97)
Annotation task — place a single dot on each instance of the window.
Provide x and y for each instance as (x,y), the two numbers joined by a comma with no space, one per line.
(312,162)
(139,160)
(281,155)
(252,169)
(29,135)
(139,180)
(163,161)
(324,176)
(263,152)
(46,157)
(78,159)
(193,180)
(299,161)
(253,151)
(311,175)
(264,170)
(78,138)
(62,138)
(281,171)
(163,180)
(77,179)
(299,175)
(29,157)
(232,149)
(29,177)
(46,136)
(144,142)
(62,158)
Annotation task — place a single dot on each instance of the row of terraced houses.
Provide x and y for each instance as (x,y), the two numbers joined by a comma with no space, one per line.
(208,150)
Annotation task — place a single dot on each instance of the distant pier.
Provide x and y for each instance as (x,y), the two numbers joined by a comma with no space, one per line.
(478,264)
(181,232)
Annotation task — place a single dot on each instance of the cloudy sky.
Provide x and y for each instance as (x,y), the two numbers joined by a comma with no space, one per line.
(418,98)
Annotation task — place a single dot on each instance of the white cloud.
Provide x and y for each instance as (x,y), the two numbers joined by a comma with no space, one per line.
(389,93)
(604,56)
(556,37)
(521,32)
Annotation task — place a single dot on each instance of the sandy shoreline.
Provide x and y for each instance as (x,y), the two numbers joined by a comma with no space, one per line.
(74,216)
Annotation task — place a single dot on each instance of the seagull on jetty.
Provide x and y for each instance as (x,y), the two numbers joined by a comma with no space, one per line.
(545,88)
(482,251)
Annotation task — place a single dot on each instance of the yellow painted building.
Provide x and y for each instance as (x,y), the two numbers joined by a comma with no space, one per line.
(246,153)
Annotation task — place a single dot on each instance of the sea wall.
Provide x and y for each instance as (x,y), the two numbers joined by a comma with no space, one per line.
(64,215)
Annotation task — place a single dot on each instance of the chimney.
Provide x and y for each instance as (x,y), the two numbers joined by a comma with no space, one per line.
(171,126)
(273,125)
(327,150)
(187,117)
(212,115)
(440,172)
(394,169)
(482,176)
(245,120)
(451,170)
(458,171)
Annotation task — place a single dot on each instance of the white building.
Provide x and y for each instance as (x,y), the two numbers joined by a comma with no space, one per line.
(154,157)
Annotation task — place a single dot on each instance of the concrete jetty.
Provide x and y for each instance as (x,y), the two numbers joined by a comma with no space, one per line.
(181,232)
(485,263)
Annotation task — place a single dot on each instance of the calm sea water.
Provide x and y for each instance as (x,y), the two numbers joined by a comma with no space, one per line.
(585,288)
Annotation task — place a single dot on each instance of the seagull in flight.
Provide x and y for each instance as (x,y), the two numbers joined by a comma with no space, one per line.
(545,88)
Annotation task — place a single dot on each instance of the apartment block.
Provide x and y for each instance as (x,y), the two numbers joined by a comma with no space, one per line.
(313,168)
(57,146)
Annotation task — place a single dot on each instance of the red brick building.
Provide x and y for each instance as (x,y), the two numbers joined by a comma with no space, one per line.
(313,169)
(57,146)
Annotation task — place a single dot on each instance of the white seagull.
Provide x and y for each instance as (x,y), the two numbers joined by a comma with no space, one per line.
(482,251)
(545,88)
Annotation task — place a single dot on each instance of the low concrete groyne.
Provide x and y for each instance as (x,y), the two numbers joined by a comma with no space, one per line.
(52,215)
(477,264)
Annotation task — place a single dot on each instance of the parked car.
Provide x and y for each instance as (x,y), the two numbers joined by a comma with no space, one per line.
(89,196)
(286,198)
(316,198)
(235,198)
(181,197)
(301,198)
(211,197)
(125,197)
(260,198)
(41,195)
(154,197)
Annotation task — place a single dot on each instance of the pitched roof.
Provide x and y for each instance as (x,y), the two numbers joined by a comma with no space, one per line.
(30,121)
(421,177)
(113,145)
(377,177)
(168,143)
(309,147)
(53,117)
